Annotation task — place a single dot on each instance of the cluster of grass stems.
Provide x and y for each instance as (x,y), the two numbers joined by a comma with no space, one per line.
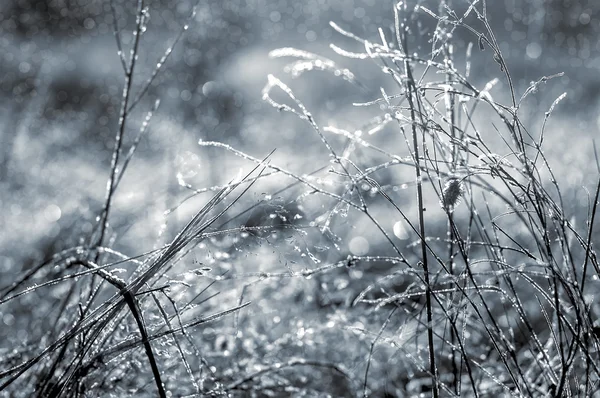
(493,297)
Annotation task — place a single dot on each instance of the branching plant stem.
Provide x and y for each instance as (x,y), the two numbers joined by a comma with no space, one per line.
(410,91)
(124,113)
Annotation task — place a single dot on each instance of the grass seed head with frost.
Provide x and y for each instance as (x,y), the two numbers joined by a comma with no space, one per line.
(451,194)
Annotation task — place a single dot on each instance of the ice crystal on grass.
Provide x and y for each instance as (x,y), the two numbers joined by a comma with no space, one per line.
(307,61)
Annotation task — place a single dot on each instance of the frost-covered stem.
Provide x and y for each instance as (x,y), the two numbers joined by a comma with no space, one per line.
(588,245)
(131,302)
(450,115)
(113,181)
(136,142)
(103,222)
(161,62)
(410,90)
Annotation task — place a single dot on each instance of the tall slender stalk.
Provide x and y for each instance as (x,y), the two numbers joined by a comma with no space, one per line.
(124,113)
(410,91)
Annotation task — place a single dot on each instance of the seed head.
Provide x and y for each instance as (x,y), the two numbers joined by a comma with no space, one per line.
(453,190)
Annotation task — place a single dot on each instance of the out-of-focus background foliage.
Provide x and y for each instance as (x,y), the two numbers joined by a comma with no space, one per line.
(61,82)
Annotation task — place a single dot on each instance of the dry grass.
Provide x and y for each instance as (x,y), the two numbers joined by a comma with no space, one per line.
(471,280)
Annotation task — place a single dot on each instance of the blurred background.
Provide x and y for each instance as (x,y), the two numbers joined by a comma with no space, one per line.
(61,83)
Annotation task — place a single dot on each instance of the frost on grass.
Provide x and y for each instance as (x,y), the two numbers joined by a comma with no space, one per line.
(308,61)
(307,279)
